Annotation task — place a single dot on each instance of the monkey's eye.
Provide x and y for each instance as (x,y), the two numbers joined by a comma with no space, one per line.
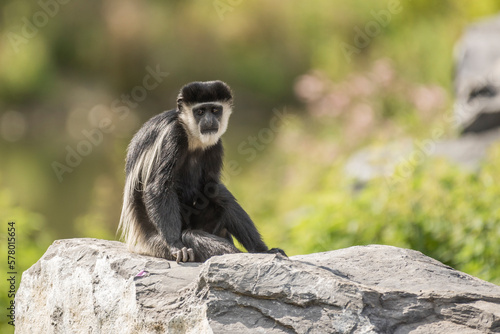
(216,110)
(200,112)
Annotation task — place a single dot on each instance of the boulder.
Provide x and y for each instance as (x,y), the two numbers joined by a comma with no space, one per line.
(476,111)
(477,77)
(97,286)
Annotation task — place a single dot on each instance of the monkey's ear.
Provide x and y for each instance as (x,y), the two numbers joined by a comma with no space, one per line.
(179,102)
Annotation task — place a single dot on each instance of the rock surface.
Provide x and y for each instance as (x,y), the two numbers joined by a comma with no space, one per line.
(96,286)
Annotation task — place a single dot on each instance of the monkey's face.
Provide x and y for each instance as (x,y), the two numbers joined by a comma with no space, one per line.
(208,117)
(205,123)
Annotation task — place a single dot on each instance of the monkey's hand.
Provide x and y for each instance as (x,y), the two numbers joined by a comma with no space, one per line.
(277,251)
(184,255)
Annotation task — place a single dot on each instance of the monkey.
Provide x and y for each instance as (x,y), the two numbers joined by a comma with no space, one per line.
(174,204)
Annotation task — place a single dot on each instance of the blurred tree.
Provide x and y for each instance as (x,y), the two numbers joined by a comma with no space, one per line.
(72,92)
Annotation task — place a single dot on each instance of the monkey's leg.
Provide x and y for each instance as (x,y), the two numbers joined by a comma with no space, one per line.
(206,245)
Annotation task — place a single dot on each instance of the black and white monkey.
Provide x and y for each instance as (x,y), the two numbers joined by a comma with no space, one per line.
(174,204)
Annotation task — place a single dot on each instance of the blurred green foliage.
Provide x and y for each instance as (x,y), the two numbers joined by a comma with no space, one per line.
(62,80)
(446,212)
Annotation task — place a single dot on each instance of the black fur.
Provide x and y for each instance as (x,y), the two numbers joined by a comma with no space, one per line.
(183,203)
(199,92)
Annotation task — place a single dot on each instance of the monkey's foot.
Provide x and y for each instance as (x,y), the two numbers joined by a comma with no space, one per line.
(184,255)
(277,251)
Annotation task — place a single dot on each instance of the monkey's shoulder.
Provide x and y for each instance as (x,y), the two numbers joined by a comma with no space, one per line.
(166,117)
(160,126)
(163,129)
(167,120)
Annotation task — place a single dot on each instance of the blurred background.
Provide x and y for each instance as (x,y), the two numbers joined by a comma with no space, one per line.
(313,84)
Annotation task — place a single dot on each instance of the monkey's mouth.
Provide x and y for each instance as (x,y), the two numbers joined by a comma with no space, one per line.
(207,131)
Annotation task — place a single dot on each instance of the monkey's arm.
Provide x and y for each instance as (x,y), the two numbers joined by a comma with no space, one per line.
(239,224)
(162,203)
(163,209)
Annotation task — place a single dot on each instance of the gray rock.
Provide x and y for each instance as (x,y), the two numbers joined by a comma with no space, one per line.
(467,151)
(378,160)
(477,77)
(91,286)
